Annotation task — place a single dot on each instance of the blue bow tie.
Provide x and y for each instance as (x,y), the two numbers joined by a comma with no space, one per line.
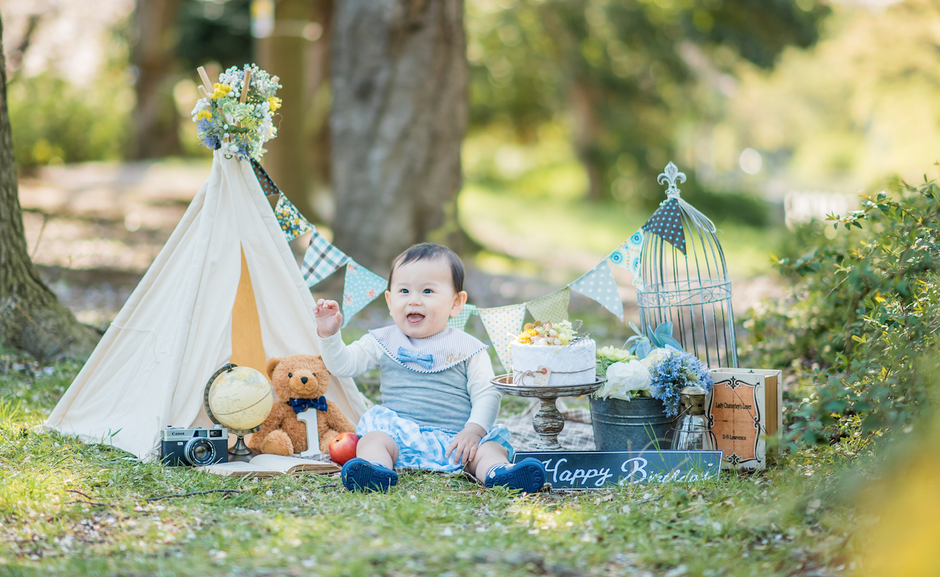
(406,355)
(301,405)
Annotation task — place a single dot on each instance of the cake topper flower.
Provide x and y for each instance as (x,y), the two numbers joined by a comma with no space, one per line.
(560,333)
(235,120)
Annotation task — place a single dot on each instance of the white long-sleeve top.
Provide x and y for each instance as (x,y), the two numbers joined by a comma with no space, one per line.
(352,360)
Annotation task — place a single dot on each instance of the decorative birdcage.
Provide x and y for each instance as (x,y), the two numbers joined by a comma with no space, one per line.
(685,278)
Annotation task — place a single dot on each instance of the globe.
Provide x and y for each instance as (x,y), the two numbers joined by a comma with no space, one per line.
(239,398)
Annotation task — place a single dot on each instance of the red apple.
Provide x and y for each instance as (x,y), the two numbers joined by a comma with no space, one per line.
(343,447)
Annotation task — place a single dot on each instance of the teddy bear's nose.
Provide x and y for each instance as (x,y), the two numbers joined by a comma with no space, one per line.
(303,380)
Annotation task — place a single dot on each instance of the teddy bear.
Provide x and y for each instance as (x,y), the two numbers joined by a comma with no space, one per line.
(300,382)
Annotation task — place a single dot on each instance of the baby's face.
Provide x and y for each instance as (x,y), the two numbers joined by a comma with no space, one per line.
(422,297)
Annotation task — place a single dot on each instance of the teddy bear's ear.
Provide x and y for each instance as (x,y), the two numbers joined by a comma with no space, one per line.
(272,364)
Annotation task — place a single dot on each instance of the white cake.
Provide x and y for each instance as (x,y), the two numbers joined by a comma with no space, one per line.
(573,364)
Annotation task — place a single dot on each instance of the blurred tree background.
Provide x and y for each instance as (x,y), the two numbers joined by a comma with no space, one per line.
(568,100)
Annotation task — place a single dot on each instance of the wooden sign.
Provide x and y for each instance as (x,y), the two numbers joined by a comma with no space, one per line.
(745,406)
(583,470)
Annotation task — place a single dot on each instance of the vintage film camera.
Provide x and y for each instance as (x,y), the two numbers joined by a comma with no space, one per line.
(194,447)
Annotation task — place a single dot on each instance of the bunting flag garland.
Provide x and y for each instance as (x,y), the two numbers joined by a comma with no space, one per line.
(502,325)
(362,286)
(267,185)
(627,257)
(599,284)
(321,259)
(460,321)
(551,307)
(292,222)
(666,222)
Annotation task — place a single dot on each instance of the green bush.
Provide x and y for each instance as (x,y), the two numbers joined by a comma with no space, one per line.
(860,330)
(55,122)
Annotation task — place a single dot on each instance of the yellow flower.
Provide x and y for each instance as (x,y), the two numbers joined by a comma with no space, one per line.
(525,338)
(221,90)
(274,103)
(203,115)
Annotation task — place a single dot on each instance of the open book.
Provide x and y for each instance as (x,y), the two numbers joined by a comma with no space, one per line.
(269,466)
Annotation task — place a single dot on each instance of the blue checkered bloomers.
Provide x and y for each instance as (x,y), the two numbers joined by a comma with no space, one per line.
(422,447)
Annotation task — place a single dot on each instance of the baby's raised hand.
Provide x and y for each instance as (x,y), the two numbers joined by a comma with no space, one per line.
(329,319)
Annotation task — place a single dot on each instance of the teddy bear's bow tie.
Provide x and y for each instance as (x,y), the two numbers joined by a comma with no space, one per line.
(426,360)
(301,405)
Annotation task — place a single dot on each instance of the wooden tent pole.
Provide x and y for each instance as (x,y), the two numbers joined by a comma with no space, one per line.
(244,96)
(205,79)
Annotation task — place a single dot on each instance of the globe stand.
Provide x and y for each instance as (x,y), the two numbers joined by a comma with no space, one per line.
(239,451)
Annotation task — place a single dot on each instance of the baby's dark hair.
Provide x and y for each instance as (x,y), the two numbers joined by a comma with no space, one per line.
(430,251)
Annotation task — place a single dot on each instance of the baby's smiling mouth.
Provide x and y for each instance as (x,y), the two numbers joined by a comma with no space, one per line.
(415,318)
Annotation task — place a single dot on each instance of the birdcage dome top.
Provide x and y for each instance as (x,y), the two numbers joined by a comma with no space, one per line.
(684,275)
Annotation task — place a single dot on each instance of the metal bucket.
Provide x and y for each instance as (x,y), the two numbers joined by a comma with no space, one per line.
(635,425)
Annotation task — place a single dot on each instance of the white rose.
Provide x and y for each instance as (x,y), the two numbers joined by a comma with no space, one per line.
(654,357)
(624,377)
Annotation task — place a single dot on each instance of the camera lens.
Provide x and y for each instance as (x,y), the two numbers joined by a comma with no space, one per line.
(199,452)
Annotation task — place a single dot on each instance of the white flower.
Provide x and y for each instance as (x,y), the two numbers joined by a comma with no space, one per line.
(623,378)
(200,104)
(654,357)
(265,128)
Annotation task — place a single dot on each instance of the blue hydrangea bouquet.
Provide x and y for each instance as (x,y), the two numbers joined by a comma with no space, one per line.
(654,366)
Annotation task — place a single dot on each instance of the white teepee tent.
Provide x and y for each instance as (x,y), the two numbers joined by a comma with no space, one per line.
(224,288)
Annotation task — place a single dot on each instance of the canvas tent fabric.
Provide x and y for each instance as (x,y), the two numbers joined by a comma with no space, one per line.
(150,368)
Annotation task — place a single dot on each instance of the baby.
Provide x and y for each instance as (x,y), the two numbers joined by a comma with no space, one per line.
(439,404)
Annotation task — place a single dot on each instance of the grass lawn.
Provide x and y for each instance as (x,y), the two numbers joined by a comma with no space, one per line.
(74,509)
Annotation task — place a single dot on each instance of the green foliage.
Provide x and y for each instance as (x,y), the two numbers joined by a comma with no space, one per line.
(53,122)
(214,31)
(862,327)
(842,114)
(622,72)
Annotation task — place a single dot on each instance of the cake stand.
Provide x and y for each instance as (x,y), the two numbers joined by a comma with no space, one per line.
(548,422)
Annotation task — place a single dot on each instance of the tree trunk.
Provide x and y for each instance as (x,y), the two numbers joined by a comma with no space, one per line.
(31,317)
(399,80)
(283,54)
(317,103)
(586,135)
(155,117)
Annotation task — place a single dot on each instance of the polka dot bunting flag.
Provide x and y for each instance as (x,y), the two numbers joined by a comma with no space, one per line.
(666,222)
(360,288)
(551,307)
(599,284)
(502,325)
(460,321)
(267,185)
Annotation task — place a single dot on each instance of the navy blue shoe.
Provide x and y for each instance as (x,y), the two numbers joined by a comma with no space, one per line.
(361,475)
(527,475)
